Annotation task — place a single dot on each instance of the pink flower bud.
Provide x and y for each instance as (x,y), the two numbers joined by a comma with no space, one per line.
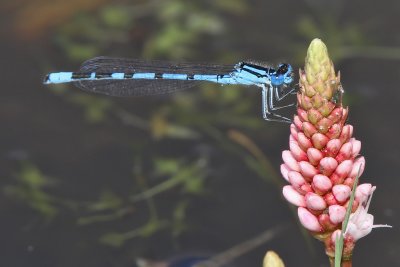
(284,171)
(363,191)
(336,114)
(321,183)
(314,201)
(358,165)
(337,213)
(297,152)
(356,147)
(327,165)
(307,170)
(290,161)
(334,131)
(297,122)
(344,168)
(309,129)
(319,140)
(293,196)
(324,124)
(351,127)
(347,131)
(302,114)
(296,179)
(299,99)
(341,192)
(304,141)
(291,139)
(345,152)
(308,220)
(293,131)
(314,155)
(332,147)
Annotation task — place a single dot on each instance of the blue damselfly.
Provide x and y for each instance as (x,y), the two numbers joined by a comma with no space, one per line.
(131,77)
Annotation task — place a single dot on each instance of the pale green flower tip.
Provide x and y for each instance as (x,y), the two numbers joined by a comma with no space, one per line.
(317,51)
(317,60)
(271,259)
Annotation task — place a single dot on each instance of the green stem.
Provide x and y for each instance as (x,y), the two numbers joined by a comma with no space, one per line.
(344,263)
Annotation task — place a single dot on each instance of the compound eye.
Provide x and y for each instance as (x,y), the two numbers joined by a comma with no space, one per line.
(283,68)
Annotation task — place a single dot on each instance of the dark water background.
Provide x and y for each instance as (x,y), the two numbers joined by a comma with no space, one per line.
(74,166)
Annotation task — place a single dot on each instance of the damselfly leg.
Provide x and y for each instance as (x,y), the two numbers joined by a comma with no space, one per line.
(282,91)
(271,95)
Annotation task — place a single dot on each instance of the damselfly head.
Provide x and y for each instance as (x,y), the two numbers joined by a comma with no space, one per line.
(282,69)
(286,71)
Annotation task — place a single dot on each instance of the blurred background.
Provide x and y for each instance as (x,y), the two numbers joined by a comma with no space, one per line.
(90,180)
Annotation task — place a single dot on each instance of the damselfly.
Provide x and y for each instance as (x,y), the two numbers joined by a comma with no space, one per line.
(131,77)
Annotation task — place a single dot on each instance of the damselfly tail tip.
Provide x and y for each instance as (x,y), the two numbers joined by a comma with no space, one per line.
(46,79)
(58,77)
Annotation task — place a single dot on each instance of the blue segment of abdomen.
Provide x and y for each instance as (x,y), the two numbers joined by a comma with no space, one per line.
(117,75)
(59,77)
(146,76)
(173,76)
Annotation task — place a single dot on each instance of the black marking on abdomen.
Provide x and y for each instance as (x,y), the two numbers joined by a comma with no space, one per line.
(128,75)
(190,77)
(158,76)
(80,75)
(102,75)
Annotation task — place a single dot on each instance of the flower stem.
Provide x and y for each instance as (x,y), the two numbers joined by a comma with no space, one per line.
(344,263)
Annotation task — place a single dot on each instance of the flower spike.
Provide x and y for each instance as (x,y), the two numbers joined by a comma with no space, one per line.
(323,161)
